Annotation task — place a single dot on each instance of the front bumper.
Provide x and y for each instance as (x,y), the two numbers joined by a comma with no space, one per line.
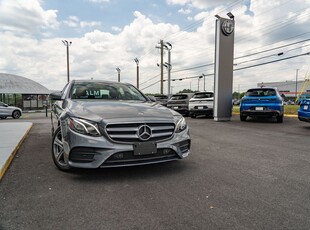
(304,116)
(83,151)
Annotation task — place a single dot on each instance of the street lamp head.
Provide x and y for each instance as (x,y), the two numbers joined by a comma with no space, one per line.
(217,16)
(230,15)
(66,43)
(137,61)
(118,69)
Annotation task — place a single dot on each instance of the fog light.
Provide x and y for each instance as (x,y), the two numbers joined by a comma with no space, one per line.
(119,155)
(166,151)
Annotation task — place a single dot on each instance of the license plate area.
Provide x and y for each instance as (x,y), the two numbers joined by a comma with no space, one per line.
(305,107)
(144,148)
(259,108)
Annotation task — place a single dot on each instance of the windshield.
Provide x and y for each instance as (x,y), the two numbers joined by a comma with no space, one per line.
(203,95)
(105,90)
(178,97)
(261,92)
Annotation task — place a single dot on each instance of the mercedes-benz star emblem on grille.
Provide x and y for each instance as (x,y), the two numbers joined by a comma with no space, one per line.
(144,132)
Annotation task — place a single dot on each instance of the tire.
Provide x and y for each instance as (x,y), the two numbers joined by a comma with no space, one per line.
(58,152)
(242,118)
(16,114)
(4,117)
(280,119)
(193,116)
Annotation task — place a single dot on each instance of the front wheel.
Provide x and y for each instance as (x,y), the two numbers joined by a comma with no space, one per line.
(242,118)
(58,151)
(16,114)
(280,119)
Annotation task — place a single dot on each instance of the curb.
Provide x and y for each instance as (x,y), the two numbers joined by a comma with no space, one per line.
(12,155)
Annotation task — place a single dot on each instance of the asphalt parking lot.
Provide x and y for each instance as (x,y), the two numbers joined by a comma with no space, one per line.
(239,175)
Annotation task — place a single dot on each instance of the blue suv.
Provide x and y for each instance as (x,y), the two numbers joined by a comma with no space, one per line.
(304,111)
(262,102)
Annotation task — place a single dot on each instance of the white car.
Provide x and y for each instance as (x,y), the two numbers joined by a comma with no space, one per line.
(9,111)
(201,104)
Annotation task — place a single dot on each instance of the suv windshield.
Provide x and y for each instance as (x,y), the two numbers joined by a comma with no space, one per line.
(178,97)
(261,92)
(203,95)
(102,90)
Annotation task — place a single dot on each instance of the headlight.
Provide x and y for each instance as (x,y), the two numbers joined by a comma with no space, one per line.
(83,126)
(181,125)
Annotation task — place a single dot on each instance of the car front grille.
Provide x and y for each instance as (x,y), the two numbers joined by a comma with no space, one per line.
(129,132)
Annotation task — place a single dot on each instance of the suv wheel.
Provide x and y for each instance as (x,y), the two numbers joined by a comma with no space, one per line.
(193,116)
(58,151)
(280,119)
(242,118)
(16,114)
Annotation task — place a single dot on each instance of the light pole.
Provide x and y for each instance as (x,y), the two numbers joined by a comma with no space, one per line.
(198,81)
(204,82)
(118,74)
(137,62)
(67,44)
(296,84)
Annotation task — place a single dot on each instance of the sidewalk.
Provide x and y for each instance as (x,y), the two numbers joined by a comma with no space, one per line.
(11,137)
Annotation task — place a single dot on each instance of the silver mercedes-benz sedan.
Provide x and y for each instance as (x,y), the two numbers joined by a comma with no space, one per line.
(108,124)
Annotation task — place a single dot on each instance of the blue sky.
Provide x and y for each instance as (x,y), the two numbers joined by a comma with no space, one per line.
(109,34)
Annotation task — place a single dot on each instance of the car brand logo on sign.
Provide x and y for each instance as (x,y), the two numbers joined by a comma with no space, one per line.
(228,27)
(144,132)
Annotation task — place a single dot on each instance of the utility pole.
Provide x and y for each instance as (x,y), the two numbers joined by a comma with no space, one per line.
(161,67)
(296,84)
(168,46)
(67,44)
(137,62)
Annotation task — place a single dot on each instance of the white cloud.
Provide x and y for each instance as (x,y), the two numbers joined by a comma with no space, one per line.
(90,24)
(116,29)
(184,11)
(72,21)
(26,16)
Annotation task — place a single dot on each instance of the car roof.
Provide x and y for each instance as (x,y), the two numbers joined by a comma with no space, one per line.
(99,81)
(259,88)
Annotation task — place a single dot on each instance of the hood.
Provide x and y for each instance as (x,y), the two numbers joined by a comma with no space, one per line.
(119,110)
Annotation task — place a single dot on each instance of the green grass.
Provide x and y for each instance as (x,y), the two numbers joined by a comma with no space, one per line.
(288,109)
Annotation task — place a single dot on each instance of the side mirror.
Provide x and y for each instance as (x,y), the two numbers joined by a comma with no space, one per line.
(56,96)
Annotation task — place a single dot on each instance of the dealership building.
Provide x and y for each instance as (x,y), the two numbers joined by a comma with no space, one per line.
(22,92)
(290,89)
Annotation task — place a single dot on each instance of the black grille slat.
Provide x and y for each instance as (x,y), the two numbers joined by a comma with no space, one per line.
(127,132)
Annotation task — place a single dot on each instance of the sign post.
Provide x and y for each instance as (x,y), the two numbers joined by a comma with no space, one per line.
(223,77)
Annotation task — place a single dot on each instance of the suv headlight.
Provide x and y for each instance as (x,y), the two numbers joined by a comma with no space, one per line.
(181,125)
(83,126)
